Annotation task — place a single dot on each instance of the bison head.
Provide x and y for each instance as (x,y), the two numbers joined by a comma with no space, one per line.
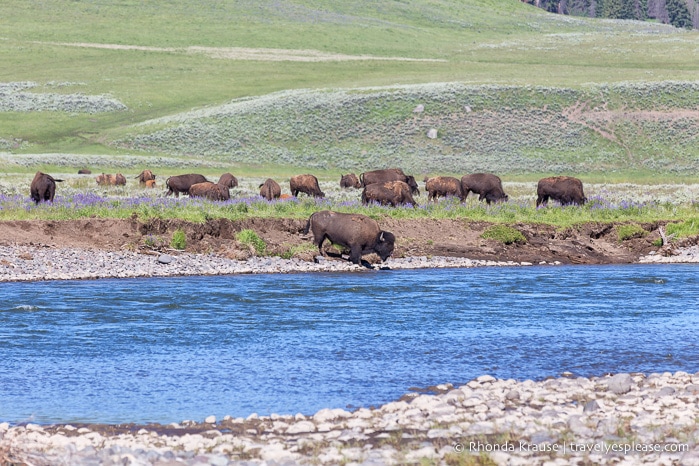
(384,245)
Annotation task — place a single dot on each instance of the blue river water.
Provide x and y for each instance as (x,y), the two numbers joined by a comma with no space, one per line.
(169,349)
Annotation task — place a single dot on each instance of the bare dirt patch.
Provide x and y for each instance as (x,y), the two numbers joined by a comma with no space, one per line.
(593,243)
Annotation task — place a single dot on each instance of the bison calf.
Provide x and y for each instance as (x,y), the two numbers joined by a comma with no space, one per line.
(564,189)
(359,233)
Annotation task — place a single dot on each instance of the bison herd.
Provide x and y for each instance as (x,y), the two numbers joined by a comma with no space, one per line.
(358,233)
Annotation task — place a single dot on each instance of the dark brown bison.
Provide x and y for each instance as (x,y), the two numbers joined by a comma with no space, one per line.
(564,189)
(350,180)
(359,233)
(486,185)
(389,174)
(84,171)
(145,176)
(111,180)
(443,186)
(392,193)
(228,180)
(43,187)
(181,183)
(270,189)
(209,190)
(305,184)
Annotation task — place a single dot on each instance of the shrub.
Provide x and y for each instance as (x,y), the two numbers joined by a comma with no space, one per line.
(251,239)
(179,239)
(504,234)
(630,231)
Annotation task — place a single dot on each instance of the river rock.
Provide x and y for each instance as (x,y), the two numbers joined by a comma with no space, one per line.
(620,384)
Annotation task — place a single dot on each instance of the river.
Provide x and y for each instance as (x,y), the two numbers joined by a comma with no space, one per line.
(169,349)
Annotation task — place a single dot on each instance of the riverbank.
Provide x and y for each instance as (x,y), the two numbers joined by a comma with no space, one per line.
(623,419)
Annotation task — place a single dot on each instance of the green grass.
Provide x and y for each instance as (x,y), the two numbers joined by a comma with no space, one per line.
(179,239)
(504,234)
(251,239)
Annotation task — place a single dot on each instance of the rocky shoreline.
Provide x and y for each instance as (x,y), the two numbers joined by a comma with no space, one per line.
(625,419)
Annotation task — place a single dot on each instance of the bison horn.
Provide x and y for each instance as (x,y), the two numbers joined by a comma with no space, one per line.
(381,237)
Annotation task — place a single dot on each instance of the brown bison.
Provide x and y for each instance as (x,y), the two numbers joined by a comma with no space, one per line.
(443,186)
(111,180)
(150,184)
(228,180)
(564,189)
(486,185)
(350,181)
(43,187)
(359,233)
(84,171)
(209,190)
(181,183)
(391,193)
(270,189)
(389,174)
(305,184)
(145,176)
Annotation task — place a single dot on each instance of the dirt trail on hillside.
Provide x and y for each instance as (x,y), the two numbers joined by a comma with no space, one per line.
(585,244)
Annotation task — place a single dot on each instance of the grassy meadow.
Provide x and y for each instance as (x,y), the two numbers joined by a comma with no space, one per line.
(271,89)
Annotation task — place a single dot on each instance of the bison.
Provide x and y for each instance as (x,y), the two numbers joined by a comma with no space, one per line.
(389,174)
(43,187)
(350,180)
(228,180)
(150,184)
(359,233)
(144,177)
(209,190)
(564,189)
(84,171)
(486,185)
(443,186)
(270,189)
(111,180)
(391,193)
(305,184)
(181,183)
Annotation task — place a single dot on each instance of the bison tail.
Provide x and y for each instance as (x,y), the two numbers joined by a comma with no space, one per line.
(57,181)
(361,180)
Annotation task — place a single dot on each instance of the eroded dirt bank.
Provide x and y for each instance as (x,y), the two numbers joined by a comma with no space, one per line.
(593,243)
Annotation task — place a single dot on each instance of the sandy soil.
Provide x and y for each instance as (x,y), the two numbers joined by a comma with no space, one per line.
(585,244)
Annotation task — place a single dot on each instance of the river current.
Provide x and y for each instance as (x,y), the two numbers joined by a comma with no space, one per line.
(169,349)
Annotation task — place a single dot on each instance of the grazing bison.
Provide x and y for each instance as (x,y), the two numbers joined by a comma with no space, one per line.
(145,176)
(181,183)
(111,180)
(443,186)
(43,187)
(486,185)
(150,184)
(564,189)
(350,181)
(359,233)
(209,190)
(84,171)
(389,174)
(305,184)
(391,193)
(228,180)
(270,189)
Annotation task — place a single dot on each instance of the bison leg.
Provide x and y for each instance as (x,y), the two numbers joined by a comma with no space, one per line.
(356,254)
(320,242)
(542,200)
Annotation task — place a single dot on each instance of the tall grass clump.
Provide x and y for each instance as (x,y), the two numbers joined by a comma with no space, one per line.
(504,234)
(179,239)
(687,228)
(252,240)
(630,231)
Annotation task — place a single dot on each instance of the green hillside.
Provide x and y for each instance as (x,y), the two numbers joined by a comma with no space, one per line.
(335,86)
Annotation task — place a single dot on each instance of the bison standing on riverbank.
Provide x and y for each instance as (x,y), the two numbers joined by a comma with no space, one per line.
(350,180)
(443,186)
(270,189)
(486,185)
(305,184)
(392,193)
(209,190)
(359,233)
(43,187)
(386,175)
(181,183)
(564,189)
